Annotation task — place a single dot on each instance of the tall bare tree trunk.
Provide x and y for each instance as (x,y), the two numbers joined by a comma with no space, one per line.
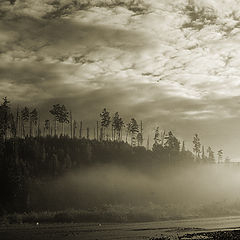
(101,134)
(71,126)
(80,130)
(55,127)
(38,127)
(97,131)
(112,133)
(63,134)
(30,127)
(87,133)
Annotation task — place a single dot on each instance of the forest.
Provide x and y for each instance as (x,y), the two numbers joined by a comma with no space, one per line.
(35,152)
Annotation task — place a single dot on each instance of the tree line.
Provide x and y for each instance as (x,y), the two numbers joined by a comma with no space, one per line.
(26,123)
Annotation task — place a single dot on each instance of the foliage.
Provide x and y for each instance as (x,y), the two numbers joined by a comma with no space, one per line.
(133,129)
(60,113)
(117,124)
(105,122)
(172,143)
(6,119)
(196,145)
(34,116)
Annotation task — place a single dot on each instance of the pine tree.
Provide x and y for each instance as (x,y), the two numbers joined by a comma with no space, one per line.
(133,129)
(105,122)
(157,146)
(157,139)
(172,143)
(140,135)
(7,122)
(196,146)
(117,124)
(60,114)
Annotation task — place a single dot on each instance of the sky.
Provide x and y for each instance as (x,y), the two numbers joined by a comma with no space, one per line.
(172,64)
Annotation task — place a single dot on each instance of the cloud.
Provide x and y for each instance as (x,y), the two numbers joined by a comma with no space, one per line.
(51,9)
(174,64)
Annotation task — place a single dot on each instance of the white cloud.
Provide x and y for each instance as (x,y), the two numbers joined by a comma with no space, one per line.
(168,54)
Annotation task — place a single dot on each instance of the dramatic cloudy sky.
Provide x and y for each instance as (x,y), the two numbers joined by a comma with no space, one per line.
(175,64)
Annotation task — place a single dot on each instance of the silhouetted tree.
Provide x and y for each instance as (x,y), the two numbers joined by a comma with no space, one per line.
(133,129)
(47,127)
(172,146)
(196,146)
(117,124)
(105,122)
(60,114)
(157,141)
(172,143)
(6,119)
(157,138)
(139,139)
(140,135)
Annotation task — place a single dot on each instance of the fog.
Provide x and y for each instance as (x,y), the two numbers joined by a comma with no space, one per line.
(200,190)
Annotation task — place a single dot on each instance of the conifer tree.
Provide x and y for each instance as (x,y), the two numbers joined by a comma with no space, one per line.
(196,146)
(157,136)
(133,129)
(172,143)
(117,124)
(7,122)
(61,115)
(105,122)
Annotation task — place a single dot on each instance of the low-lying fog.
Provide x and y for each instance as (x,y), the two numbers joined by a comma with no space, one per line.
(201,190)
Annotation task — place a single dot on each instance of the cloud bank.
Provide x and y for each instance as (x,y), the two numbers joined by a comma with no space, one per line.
(173,64)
